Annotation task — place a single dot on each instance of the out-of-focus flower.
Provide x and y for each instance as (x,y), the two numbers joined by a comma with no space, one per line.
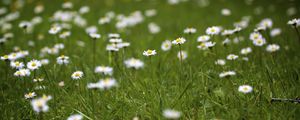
(75,117)
(22,73)
(171,114)
(203,38)
(62,60)
(40,104)
(77,75)
(220,62)
(34,64)
(179,41)
(232,57)
(149,52)
(153,28)
(105,70)
(227,74)
(189,30)
(214,30)
(166,45)
(273,48)
(246,51)
(182,55)
(30,95)
(245,89)
(226,12)
(134,63)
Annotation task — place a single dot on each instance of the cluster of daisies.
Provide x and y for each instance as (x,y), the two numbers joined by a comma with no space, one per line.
(260,37)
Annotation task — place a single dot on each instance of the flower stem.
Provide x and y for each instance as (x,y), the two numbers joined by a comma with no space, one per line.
(298,34)
(94,53)
(181,69)
(109,58)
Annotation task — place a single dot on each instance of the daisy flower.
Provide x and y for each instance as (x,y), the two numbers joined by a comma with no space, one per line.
(34,64)
(4,57)
(114,35)
(84,9)
(61,84)
(227,74)
(67,5)
(25,24)
(55,29)
(16,64)
(65,34)
(153,28)
(134,63)
(226,41)
(220,62)
(245,89)
(106,70)
(166,45)
(75,117)
(94,36)
(112,48)
(77,75)
(123,45)
(22,73)
(275,32)
(214,30)
(294,22)
(190,30)
(260,29)
(40,104)
(266,23)
(245,58)
(203,38)
(259,42)
(246,51)
(93,85)
(149,53)
(62,60)
(225,12)
(45,61)
(255,36)
(227,32)
(91,29)
(104,20)
(115,40)
(206,45)
(38,80)
(182,55)
(30,95)
(13,56)
(273,48)
(232,57)
(38,9)
(171,114)
(150,12)
(179,41)
(107,83)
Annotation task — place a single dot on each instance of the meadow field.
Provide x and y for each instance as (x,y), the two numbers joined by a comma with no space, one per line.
(149,59)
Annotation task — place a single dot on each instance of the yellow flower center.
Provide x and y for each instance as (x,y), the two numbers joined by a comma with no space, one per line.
(259,41)
(77,74)
(245,89)
(149,51)
(178,40)
(39,103)
(202,45)
(33,64)
(213,30)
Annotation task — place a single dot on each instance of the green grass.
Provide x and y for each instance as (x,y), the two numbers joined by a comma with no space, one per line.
(197,91)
